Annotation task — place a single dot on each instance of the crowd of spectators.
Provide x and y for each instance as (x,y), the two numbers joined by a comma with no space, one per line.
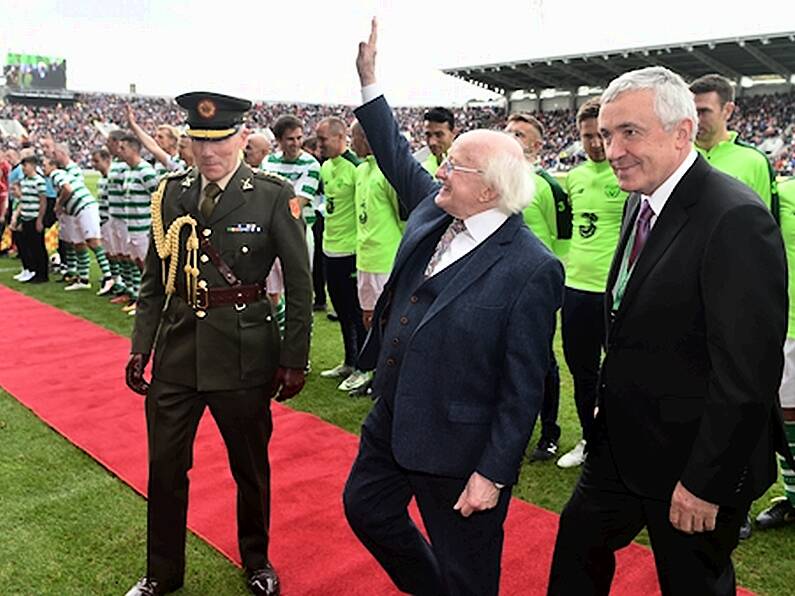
(765,121)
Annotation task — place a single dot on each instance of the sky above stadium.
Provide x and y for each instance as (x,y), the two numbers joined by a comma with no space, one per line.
(304,50)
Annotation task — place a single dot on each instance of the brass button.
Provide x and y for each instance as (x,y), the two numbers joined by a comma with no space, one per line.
(391,362)
(414,299)
(207,232)
(204,258)
(202,284)
(269,318)
(244,249)
(404,320)
(201,314)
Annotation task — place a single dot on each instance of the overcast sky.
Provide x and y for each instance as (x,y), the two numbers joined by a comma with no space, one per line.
(305,49)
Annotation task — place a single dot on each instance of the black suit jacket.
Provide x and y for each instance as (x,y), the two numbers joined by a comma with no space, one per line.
(689,384)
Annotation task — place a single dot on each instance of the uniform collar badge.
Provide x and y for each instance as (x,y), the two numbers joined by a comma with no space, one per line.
(187,182)
(245,184)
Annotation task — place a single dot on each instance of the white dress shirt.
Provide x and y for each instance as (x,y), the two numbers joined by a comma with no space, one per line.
(478,227)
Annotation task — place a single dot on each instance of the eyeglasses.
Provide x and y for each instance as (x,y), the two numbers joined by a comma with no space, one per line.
(448,167)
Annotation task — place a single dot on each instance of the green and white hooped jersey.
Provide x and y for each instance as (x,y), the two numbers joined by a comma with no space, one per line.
(32,189)
(175,164)
(140,182)
(102,199)
(115,188)
(303,172)
(81,197)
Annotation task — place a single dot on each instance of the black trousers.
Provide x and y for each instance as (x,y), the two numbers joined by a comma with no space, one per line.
(583,334)
(603,516)
(463,555)
(32,250)
(172,417)
(341,279)
(318,261)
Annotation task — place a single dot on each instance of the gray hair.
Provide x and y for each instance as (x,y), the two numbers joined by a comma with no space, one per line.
(673,100)
(511,177)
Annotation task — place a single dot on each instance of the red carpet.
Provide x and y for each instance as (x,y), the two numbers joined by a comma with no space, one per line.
(312,547)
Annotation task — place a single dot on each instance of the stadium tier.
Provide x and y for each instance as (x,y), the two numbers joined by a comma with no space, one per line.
(763,120)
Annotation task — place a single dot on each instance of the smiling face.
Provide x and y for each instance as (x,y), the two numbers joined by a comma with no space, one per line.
(291,143)
(591,140)
(439,137)
(216,159)
(641,152)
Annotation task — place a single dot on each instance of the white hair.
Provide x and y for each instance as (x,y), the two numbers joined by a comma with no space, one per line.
(512,179)
(673,100)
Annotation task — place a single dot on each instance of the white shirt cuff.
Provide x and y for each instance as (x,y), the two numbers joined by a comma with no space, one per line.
(370,92)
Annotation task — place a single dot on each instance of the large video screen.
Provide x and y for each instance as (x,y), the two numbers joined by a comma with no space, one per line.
(27,71)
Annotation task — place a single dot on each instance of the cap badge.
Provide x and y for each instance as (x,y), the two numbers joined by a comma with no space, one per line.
(206,108)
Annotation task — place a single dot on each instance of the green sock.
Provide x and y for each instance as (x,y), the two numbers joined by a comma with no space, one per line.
(102,261)
(787,473)
(136,280)
(71,260)
(127,276)
(83,264)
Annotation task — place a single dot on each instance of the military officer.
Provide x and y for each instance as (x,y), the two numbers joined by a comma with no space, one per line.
(216,230)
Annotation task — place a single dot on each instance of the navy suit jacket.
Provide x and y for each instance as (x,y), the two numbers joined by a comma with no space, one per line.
(471,381)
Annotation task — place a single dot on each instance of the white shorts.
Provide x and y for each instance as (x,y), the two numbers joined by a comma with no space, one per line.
(119,235)
(275,280)
(787,391)
(86,223)
(370,286)
(107,237)
(137,245)
(66,228)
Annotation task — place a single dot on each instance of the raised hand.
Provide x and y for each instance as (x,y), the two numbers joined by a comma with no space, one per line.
(365,61)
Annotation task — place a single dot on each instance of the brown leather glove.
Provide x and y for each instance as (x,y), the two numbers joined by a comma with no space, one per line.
(134,374)
(287,382)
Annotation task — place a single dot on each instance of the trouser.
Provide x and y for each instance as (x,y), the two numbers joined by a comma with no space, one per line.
(318,261)
(583,334)
(341,272)
(463,554)
(603,516)
(32,251)
(550,430)
(172,417)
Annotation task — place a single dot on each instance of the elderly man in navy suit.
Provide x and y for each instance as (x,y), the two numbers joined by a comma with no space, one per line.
(460,344)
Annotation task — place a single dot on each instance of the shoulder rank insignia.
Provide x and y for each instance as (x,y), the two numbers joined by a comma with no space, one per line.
(245,184)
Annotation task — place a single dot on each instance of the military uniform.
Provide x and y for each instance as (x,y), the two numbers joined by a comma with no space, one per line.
(204,309)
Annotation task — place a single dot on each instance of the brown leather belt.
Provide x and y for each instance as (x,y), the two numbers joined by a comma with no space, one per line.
(237,295)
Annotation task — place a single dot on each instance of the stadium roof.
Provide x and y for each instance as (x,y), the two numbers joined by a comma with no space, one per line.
(756,55)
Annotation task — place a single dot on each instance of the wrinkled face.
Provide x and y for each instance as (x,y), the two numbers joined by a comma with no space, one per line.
(528,137)
(591,139)
(641,152)
(329,144)
(712,117)
(216,159)
(165,141)
(462,193)
(256,150)
(291,143)
(439,138)
(359,142)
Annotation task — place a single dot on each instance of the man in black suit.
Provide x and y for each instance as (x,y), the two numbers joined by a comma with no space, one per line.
(460,342)
(688,416)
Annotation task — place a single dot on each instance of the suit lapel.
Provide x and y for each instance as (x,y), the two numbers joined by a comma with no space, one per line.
(489,252)
(668,225)
(429,217)
(233,196)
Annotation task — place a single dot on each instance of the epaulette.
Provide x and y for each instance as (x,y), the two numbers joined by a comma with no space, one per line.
(272,176)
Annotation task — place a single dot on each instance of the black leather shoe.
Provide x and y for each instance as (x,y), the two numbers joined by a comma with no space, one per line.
(780,513)
(263,582)
(146,586)
(745,529)
(545,450)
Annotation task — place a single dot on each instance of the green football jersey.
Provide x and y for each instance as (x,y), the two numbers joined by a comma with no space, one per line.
(786,193)
(549,214)
(597,205)
(747,164)
(378,226)
(339,185)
